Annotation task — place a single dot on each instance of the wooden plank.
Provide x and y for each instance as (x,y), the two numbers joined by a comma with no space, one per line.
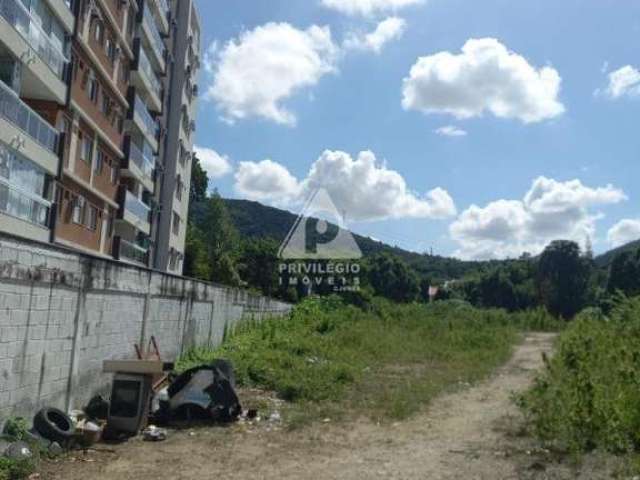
(143,367)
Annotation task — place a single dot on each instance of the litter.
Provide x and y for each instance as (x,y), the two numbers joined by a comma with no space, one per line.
(54,425)
(18,451)
(154,434)
(205,392)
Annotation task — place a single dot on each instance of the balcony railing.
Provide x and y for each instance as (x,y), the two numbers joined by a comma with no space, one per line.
(164,5)
(143,159)
(156,38)
(133,205)
(144,65)
(18,113)
(22,205)
(150,125)
(132,252)
(17,15)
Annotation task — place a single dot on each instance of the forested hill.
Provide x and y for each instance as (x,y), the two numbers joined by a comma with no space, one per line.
(604,260)
(255,220)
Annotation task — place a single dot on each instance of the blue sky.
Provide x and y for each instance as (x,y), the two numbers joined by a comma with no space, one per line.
(539,159)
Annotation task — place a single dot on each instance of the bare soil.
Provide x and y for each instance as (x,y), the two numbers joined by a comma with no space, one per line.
(474,433)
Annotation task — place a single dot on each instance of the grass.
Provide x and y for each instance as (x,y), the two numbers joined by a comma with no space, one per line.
(15,430)
(328,359)
(587,397)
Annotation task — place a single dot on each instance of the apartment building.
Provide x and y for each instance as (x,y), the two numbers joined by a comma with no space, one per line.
(175,184)
(34,52)
(83,123)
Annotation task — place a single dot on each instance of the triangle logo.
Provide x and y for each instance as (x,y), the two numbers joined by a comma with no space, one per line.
(319,233)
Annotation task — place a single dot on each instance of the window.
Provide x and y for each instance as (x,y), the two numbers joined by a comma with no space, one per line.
(93,88)
(179,188)
(105,106)
(111,49)
(86,150)
(114,173)
(176,224)
(100,161)
(79,205)
(93,218)
(99,32)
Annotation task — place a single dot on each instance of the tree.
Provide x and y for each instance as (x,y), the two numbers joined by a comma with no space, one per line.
(199,182)
(624,274)
(259,264)
(222,241)
(196,263)
(390,277)
(563,278)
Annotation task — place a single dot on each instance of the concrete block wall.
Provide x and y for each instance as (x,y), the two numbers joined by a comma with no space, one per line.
(63,313)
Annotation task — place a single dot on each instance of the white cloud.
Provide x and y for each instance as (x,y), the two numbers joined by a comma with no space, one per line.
(210,56)
(550,210)
(267,181)
(255,73)
(451,131)
(623,82)
(390,29)
(623,232)
(216,165)
(360,187)
(369,7)
(485,77)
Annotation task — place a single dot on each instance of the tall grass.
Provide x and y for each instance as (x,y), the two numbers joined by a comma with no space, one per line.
(385,362)
(588,395)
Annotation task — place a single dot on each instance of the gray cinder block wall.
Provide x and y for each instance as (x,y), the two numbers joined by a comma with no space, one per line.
(63,313)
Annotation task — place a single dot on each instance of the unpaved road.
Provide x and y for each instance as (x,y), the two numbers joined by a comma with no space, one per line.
(462,435)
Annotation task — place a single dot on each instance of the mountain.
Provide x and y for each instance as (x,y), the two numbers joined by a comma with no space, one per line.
(605,260)
(253,219)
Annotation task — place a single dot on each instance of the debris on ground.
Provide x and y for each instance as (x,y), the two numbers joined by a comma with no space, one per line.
(18,451)
(54,425)
(154,434)
(205,392)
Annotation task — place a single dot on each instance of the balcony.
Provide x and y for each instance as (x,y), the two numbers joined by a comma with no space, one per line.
(135,212)
(130,252)
(15,13)
(18,121)
(146,80)
(154,37)
(145,122)
(23,205)
(161,8)
(141,164)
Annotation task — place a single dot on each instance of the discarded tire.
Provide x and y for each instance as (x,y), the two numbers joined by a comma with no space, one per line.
(54,425)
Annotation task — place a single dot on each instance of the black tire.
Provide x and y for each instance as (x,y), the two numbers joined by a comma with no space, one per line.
(54,425)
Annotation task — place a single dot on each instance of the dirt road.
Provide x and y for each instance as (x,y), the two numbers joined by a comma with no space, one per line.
(463,435)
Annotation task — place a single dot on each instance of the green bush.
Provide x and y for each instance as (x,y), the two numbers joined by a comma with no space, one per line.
(386,360)
(588,395)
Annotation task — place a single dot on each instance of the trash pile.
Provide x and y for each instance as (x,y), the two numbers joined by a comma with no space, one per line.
(144,397)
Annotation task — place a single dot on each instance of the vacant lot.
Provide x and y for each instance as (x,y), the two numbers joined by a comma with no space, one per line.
(466,434)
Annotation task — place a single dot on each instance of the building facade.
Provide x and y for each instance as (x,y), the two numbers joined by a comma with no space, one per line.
(173,192)
(83,123)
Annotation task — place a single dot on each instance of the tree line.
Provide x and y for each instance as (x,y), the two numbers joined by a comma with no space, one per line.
(563,279)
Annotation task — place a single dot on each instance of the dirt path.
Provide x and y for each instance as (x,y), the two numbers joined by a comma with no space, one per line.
(461,436)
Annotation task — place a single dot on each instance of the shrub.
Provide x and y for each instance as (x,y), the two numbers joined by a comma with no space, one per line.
(587,396)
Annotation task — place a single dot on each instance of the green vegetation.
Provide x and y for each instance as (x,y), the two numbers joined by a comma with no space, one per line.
(15,430)
(587,396)
(386,362)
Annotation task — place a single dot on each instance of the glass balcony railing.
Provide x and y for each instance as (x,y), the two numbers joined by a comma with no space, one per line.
(144,65)
(19,17)
(156,38)
(22,205)
(136,207)
(18,113)
(150,125)
(132,252)
(143,158)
